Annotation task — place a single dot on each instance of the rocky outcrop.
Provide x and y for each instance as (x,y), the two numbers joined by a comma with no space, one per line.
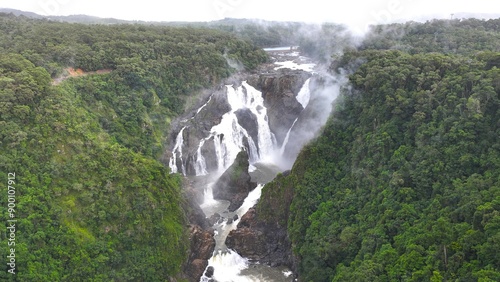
(235,183)
(249,122)
(279,90)
(201,235)
(262,232)
(202,246)
(261,242)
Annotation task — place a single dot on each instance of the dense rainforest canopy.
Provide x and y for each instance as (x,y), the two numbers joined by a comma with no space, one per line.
(404,182)
(402,185)
(92,199)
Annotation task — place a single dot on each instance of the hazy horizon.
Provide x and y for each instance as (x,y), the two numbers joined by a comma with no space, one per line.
(357,14)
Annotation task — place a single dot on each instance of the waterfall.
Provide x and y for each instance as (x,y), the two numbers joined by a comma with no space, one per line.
(245,126)
(229,141)
(247,97)
(228,263)
(204,105)
(177,153)
(200,165)
(255,103)
(283,146)
(303,97)
(229,136)
(304,94)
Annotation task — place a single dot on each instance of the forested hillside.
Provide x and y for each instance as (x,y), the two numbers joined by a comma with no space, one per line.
(404,182)
(93,202)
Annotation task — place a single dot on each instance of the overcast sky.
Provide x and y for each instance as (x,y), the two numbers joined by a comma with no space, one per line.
(356,13)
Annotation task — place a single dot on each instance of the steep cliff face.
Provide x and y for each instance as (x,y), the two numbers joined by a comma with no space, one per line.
(279,89)
(196,126)
(202,246)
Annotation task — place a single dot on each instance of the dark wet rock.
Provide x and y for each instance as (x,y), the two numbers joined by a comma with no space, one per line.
(202,246)
(210,272)
(208,152)
(198,124)
(279,90)
(201,235)
(215,218)
(235,183)
(264,243)
(249,122)
(191,205)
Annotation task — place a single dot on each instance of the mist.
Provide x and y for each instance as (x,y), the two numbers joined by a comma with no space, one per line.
(324,90)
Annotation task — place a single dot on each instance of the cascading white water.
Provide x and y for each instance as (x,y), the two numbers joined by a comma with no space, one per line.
(229,141)
(255,102)
(304,94)
(285,141)
(204,105)
(233,134)
(228,263)
(177,153)
(303,98)
(229,137)
(200,166)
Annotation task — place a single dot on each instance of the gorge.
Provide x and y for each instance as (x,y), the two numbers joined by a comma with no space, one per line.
(240,139)
(399,182)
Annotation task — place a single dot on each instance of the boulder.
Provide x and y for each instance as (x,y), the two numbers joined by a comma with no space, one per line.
(215,218)
(210,272)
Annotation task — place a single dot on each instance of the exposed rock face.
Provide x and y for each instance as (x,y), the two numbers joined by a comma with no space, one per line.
(210,272)
(197,126)
(262,234)
(316,114)
(202,246)
(193,198)
(235,183)
(257,241)
(279,90)
(249,122)
(201,235)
